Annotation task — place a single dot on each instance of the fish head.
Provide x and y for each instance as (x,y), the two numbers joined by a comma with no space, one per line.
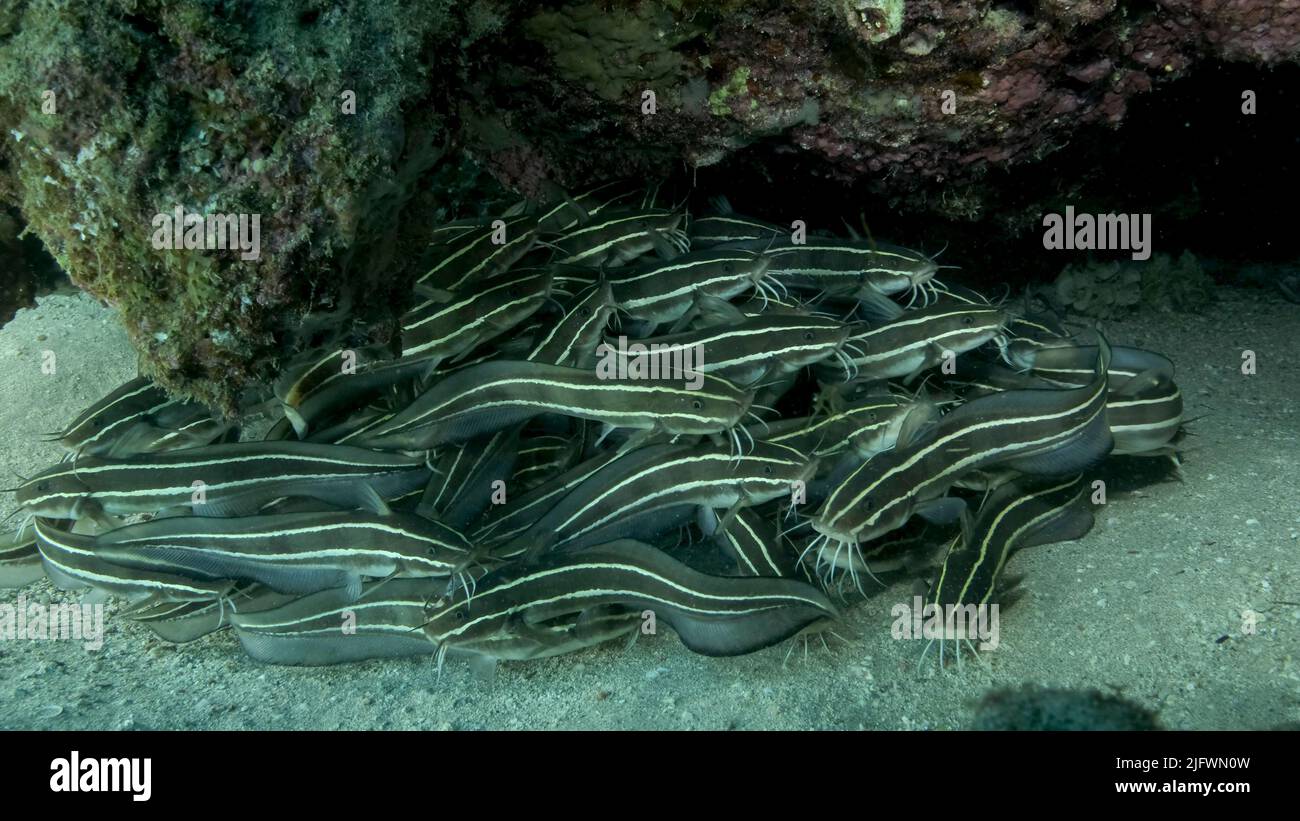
(770,470)
(56,492)
(880,423)
(712,406)
(758,267)
(452,621)
(970,326)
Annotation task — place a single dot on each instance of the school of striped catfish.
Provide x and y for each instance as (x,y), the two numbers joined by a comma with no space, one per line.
(490,486)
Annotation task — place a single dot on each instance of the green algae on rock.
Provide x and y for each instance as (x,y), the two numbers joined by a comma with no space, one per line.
(115,112)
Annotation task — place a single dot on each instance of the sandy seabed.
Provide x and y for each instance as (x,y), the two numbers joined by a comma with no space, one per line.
(1148,606)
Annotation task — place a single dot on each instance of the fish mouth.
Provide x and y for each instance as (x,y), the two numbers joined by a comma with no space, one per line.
(923,274)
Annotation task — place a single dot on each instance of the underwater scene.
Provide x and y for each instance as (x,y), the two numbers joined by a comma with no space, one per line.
(660,364)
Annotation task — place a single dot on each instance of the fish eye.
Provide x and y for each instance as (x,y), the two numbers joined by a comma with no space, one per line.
(461,615)
(871,417)
(43,486)
(584,311)
(808,335)
(726,268)
(96,422)
(697,404)
(767,469)
(968,320)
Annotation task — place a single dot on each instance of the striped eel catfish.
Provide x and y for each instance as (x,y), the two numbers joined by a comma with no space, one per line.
(752,351)
(1023,513)
(662,476)
(333,627)
(544,456)
(562,213)
(664,291)
(520,512)
(336,389)
(235,479)
(71,563)
(1145,413)
(620,236)
(1068,363)
(184,621)
(869,425)
(914,341)
(572,340)
(493,395)
(1041,432)
(291,552)
(728,228)
(461,487)
(474,255)
(313,369)
(553,637)
(20,560)
(139,417)
(713,615)
(857,268)
(447,326)
(387,620)
(752,540)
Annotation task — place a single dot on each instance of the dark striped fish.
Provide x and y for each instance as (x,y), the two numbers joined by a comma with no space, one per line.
(663,291)
(291,552)
(543,457)
(522,511)
(444,328)
(752,540)
(1040,432)
(751,351)
(553,637)
(462,485)
(869,425)
(474,255)
(562,213)
(662,476)
(330,627)
(184,621)
(914,341)
(620,236)
(716,616)
(139,417)
(487,397)
(1021,513)
(338,389)
(729,228)
(850,268)
(1144,415)
(20,560)
(1069,363)
(235,479)
(572,341)
(71,563)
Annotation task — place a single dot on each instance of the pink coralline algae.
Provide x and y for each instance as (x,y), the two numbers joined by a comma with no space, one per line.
(863,90)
